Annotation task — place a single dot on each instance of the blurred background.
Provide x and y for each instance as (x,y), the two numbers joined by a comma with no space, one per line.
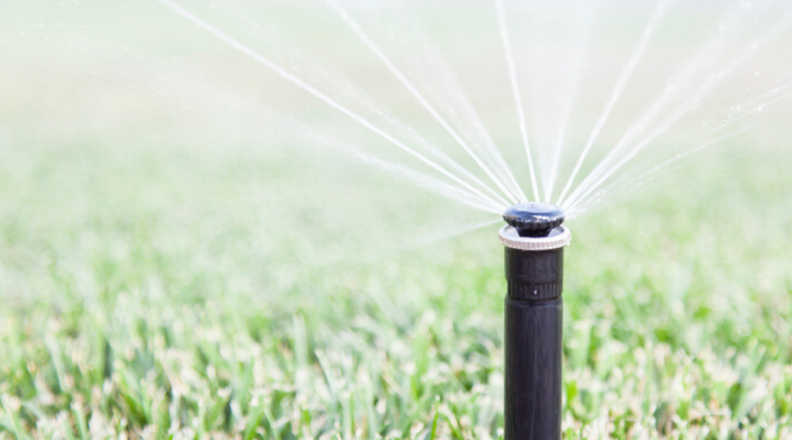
(192,245)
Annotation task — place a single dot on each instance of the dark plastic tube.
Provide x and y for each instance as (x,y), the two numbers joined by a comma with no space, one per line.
(534,243)
(534,326)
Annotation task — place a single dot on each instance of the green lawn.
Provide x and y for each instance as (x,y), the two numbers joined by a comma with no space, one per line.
(151,291)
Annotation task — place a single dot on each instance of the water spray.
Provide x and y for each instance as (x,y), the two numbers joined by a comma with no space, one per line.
(534,241)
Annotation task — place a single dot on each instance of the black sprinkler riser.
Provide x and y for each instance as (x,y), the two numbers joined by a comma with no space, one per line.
(534,259)
(533,339)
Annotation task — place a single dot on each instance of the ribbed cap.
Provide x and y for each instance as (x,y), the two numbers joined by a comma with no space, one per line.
(534,219)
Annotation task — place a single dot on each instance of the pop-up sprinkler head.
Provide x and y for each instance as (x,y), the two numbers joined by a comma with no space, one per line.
(534,219)
(534,257)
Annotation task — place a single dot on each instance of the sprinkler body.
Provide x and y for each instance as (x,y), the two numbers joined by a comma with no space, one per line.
(534,258)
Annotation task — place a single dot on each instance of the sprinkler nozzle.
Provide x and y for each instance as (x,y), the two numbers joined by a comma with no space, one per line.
(534,219)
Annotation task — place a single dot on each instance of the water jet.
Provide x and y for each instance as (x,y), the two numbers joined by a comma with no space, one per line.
(534,243)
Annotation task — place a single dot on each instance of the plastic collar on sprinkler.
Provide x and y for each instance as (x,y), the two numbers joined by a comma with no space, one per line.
(534,226)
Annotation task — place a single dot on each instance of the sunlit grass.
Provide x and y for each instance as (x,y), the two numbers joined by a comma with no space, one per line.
(153,292)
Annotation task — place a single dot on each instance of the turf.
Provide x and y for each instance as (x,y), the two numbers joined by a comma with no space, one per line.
(153,292)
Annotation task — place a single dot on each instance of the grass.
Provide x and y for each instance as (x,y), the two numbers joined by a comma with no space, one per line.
(163,279)
(150,293)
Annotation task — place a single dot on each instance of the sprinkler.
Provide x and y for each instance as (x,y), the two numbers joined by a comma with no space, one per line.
(535,241)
